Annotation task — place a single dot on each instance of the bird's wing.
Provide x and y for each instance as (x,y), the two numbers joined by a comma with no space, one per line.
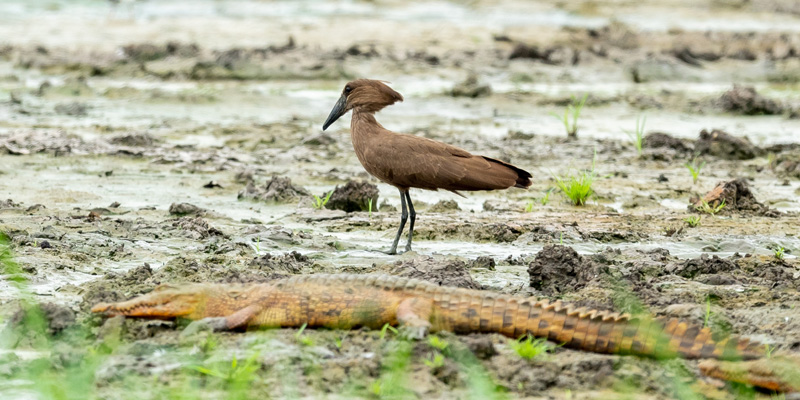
(412,161)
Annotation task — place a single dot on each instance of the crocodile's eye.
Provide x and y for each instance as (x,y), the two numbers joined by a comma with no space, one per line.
(347,89)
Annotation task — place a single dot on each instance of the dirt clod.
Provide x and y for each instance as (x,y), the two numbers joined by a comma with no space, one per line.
(745,100)
(471,88)
(737,197)
(557,269)
(185,209)
(437,270)
(57,317)
(485,262)
(657,140)
(353,196)
(702,266)
(289,263)
(724,145)
(277,189)
(443,206)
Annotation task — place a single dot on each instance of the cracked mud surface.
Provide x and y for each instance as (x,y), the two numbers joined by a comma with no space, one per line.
(149,155)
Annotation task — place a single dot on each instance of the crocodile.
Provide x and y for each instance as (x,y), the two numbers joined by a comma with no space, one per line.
(778,373)
(349,301)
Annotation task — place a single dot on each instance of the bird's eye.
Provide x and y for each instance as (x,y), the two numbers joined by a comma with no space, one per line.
(347,89)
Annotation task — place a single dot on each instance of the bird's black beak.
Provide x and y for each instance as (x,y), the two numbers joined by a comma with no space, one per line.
(338,110)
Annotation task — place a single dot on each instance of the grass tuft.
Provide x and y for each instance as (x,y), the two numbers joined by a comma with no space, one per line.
(709,209)
(693,220)
(529,347)
(573,109)
(695,169)
(637,136)
(319,203)
(578,188)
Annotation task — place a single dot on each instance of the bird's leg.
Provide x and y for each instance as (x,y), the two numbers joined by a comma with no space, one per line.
(403,218)
(413,216)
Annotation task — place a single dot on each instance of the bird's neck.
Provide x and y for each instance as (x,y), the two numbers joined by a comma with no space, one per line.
(364,128)
(363,120)
(364,125)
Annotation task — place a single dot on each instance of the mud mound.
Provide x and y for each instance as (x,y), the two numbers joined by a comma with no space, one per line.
(144,52)
(444,206)
(659,140)
(57,317)
(439,271)
(135,139)
(471,88)
(560,269)
(289,263)
(57,142)
(724,145)
(737,197)
(484,262)
(277,189)
(555,55)
(8,203)
(788,164)
(702,266)
(195,228)
(186,209)
(570,370)
(354,196)
(745,100)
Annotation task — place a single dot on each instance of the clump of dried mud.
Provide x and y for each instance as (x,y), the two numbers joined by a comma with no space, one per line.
(354,196)
(277,189)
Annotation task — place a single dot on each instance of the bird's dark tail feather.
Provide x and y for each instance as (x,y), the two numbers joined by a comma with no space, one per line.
(523,177)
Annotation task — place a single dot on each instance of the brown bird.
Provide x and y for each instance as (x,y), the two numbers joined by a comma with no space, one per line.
(407,161)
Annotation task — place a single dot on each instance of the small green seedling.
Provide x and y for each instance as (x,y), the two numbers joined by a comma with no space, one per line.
(693,220)
(695,169)
(708,209)
(768,350)
(241,373)
(637,136)
(546,198)
(437,343)
(319,202)
(387,327)
(302,339)
(529,347)
(707,316)
(369,204)
(779,252)
(435,362)
(529,206)
(257,246)
(573,109)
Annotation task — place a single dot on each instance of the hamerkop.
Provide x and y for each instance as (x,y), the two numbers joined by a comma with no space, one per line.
(407,161)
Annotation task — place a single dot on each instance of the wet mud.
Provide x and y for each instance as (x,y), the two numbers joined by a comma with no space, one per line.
(146,157)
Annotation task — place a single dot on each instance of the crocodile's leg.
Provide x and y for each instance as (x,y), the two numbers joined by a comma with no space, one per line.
(414,317)
(236,320)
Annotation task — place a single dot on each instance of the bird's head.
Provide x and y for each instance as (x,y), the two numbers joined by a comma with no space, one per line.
(365,95)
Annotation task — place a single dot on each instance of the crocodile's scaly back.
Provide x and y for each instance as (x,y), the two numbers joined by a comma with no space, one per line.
(464,311)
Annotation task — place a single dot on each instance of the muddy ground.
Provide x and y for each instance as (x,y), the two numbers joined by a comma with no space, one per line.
(168,142)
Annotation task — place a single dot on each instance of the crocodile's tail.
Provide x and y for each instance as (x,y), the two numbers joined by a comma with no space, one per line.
(608,332)
(589,330)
